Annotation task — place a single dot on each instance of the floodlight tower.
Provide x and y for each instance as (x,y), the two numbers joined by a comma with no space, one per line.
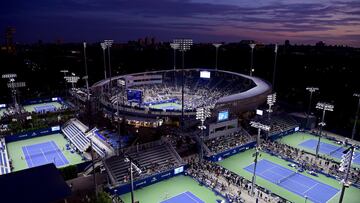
(274,71)
(86,77)
(103,46)
(356,115)
(13,85)
(132,167)
(184,45)
(73,79)
(108,44)
(271,99)
(174,46)
(345,166)
(202,114)
(64,71)
(260,127)
(252,46)
(311,90)
(324,107)
(217,46)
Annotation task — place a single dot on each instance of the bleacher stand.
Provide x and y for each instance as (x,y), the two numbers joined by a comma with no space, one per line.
(153,158)
(222,143)
(4,158)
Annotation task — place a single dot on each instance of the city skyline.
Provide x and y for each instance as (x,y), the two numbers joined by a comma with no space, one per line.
(301,22)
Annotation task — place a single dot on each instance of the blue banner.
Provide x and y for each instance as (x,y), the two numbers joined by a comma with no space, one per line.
(42,100)
(122,189)
(32,134)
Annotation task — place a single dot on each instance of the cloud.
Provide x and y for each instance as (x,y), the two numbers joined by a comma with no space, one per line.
(321,18)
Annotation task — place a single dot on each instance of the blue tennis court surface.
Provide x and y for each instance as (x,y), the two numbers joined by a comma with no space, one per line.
(185,197)
(45,108)
(44,153)
(329,149)
(295,182)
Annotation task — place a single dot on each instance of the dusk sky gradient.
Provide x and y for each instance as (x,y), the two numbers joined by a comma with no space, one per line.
(267,21)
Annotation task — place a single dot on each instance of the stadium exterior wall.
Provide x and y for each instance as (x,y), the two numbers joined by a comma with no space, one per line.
(123,189)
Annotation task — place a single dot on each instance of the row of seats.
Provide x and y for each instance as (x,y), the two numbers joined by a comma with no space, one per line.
(152,160)
(76,136)
(4,159)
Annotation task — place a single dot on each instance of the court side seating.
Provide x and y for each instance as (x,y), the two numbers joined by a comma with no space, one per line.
(76,136)
(4,159)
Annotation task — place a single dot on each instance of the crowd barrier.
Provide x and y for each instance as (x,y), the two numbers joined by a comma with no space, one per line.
(122,189)
(32,134)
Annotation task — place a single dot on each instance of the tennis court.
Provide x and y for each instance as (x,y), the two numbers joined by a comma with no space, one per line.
(179,189)
(295,182)
(29,152)
(44,107)
(44,153)
(167,106)
(187,197)
(329,149)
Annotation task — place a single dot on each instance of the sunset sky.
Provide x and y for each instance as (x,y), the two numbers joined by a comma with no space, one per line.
(268,21)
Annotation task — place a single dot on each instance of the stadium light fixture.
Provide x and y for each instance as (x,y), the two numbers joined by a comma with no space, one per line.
(252,46)
(103,47)
(64,71)
(184,45)
(312,90)
(356,115)
(202,114)
(217,46)
(271,99)
(175,46)
(73,79)
(324,107)
(109,43)
(9,76)
(260,127)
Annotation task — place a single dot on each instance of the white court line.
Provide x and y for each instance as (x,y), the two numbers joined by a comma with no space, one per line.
(311,188)
(44,155)
(333,196)
(29,157)
(191,198)
(52,144)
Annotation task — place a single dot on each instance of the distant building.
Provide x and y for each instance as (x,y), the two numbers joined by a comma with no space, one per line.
(9,40)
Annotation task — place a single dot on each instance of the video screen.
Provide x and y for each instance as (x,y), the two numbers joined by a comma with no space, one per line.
(134,96)
(204,74)
(223,115)
(179,170)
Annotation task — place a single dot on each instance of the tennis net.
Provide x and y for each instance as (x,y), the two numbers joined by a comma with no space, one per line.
(334,151)
(287,177)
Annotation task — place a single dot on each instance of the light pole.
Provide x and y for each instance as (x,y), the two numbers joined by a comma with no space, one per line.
(274,71)
(13,85)
(86,77)
(108,44)
(356,116)
(345,165)
(324,107)
(184,45)
(252,46)
(103,46)
(311,90)
(216,45)
(137,168)
(260,127)
(202,114)
(174,46)
(271,99)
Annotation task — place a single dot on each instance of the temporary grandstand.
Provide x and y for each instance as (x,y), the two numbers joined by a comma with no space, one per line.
(154,157)
(83,138)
